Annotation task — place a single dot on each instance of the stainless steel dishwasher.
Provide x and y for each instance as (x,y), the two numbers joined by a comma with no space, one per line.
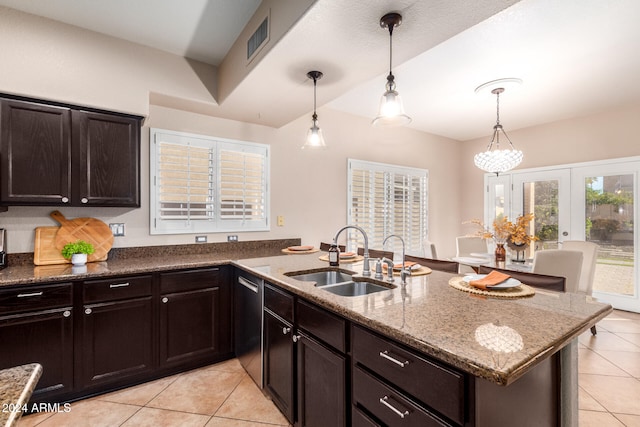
(248,323)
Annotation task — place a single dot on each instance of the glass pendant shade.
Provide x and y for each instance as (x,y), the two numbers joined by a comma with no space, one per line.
(494,159)
(314,136)
(391,111)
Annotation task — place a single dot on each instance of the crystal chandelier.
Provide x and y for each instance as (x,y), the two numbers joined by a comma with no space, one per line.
(391,111)
(314,134)
(494,159)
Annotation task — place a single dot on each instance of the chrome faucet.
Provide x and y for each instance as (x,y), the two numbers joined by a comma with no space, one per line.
(389,263)
(366,270)
(403,271)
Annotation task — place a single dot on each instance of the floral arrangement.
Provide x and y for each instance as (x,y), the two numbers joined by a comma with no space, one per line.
(505,231)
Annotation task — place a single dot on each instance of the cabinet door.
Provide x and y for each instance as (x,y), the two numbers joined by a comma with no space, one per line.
(116,340)
(35,141)
(279,363)
(190,326)
(44,337)
(106,168)
(321,393)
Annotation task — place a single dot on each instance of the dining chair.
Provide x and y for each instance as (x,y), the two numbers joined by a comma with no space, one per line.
(429,250)
(465,246)
(587,273)
(559,262)
(434,264)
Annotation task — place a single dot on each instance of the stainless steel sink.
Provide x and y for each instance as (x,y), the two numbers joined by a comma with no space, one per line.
(340,283)
(323,278)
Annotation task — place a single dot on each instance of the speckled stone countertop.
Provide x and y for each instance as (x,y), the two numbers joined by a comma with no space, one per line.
(16,386)
(449,324)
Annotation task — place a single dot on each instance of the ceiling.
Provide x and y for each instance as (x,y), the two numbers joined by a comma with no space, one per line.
(575,57)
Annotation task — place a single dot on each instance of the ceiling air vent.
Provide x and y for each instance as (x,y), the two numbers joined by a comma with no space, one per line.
(257,39)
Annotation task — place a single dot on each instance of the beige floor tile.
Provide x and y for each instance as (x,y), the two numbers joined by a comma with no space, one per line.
(627,360)
(33,419)
(607,341)
(631,337)
(199,392)
(620,324)
(626,314)
(598,419)
(231,365)
(92,413)
(590,362)
(616,394)
(248,403)
(227,422)
(588,403)
(140,394)
(628,420)
(151,417)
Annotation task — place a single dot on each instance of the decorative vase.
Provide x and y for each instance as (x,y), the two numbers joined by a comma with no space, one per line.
(500,253)
(519,250)
(79,259)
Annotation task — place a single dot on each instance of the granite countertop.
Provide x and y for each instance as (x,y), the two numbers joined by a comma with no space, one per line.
(495,339)
(428,314)
(16,386)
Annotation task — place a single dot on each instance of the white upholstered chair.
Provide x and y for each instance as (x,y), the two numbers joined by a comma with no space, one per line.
(466,245)
(429,250)
(559,262)
(589,257)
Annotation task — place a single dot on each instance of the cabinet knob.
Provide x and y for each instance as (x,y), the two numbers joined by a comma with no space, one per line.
(65,200)
(285,330)
(296,338)
(165,300)
(66,313)
(84,200)
(87,311)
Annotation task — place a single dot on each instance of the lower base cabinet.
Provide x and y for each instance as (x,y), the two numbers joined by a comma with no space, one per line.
(279,360)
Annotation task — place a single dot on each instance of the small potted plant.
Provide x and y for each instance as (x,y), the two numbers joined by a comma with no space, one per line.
(77,251)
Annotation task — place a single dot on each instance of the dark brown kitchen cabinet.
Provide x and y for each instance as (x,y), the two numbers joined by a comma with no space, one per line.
(117,330)
(37,326)
(62,155)
(195,316)
(305,369)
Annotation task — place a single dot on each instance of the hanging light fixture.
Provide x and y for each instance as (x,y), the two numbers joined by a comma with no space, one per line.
(494,159)
(391,111)
(314,134)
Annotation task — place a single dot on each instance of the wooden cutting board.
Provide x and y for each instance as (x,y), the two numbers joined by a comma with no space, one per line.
(45,251)
(91,230)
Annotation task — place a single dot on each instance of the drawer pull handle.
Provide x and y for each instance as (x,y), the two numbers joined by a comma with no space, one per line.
(401,414)
(285,330)
(118,285)
(32,294)
(385,355)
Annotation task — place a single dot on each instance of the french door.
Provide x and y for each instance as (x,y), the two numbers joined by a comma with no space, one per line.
(596,202)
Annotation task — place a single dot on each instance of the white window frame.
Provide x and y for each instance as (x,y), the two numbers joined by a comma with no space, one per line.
(213,221)
(385,217)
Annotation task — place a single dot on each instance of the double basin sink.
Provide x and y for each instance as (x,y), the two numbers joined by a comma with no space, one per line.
(341,283)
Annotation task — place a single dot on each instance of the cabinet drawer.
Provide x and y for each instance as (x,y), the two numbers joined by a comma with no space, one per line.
(32,298)
(360,419)
(389,405)
(439,387)
(116,289)
(279,302)
(323,325)
(188,280)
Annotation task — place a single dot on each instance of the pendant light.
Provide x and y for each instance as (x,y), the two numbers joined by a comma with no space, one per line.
(391,111)
(494,159)
(314,134)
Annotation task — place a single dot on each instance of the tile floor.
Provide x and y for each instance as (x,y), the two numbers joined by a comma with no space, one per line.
(224,395)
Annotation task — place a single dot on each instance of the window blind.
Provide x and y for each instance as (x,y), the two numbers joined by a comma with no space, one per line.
(386,199)
(204,184)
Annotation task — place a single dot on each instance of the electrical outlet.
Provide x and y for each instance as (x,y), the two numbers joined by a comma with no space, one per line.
(232,238)
(201,239)
(117,229)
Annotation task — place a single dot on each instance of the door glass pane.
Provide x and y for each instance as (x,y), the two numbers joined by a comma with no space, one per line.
(541,199)
(499,201)
(609,223)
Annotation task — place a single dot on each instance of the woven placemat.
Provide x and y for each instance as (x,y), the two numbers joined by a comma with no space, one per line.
(343,260)
(521,291)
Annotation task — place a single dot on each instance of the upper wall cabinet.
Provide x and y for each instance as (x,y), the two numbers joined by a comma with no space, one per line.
(61,155)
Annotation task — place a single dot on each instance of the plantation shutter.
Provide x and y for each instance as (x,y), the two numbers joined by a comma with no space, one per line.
(385,200)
